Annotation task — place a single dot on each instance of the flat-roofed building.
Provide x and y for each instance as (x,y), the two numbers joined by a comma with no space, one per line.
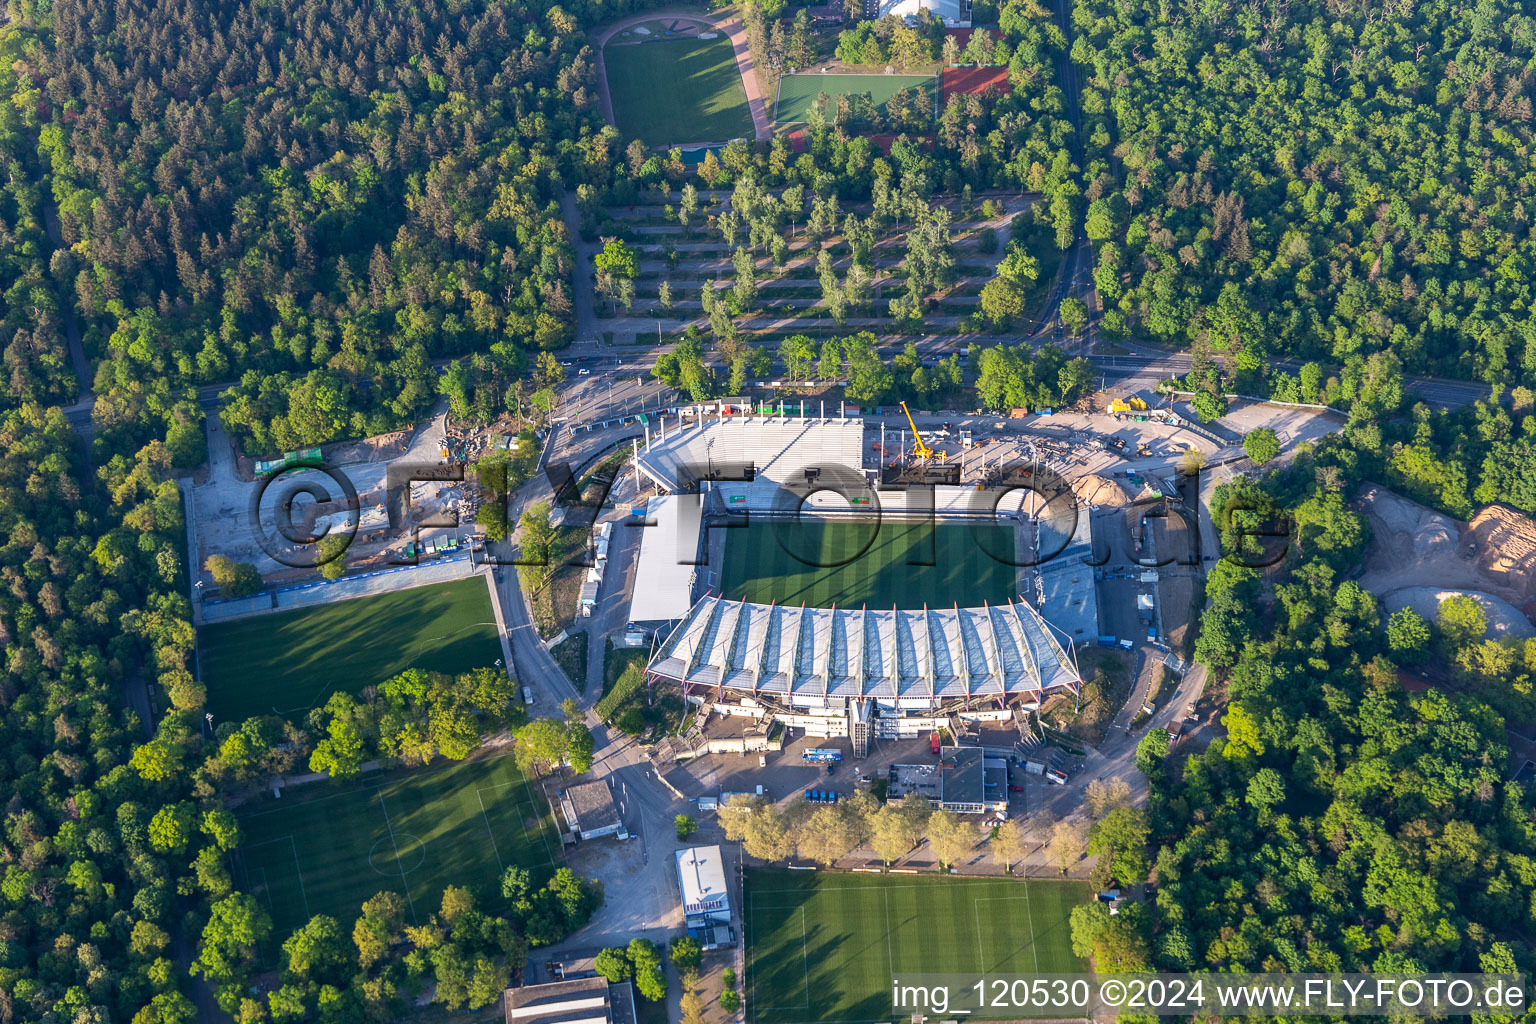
(582,1001)
(706,901)
(589,810)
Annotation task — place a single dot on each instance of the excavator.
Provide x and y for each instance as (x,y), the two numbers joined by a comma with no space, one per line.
(920,447)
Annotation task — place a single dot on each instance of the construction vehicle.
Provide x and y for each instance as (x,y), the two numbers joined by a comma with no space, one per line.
(1143,449)
(920,447)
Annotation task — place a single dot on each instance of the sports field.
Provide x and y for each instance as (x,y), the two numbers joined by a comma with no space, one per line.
(325,852)
(823,947)
(960,81)
(879,564)
(798,92)
(670,91)
(289,662)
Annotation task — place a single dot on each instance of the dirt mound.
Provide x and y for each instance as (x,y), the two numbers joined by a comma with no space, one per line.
(1403,529)
(1099,491)
(1506,546)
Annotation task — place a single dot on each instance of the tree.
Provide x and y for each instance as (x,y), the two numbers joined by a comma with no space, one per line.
(618,259)
(1120,840)
(237,579)
(538,535)
(664,295)
(827,835)
(690,1003)
(650,977)
(614,964)
(237,925)
(1101,797)
(1073,314)
(798,353)
(951,836)
(898,828)
(331,554)
(1262,445)
(1460,621)
(1208,406)
(548,372)
(1151,752)
(540,746)
(1010,843)
(579,742)
(1192,461)
(1068,839)
(686,824)
(1408,636)
(1001,301)
(686,953)
(317,952)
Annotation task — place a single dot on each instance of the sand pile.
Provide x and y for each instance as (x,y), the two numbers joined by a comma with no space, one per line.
(1099,491)
(1506,546)
(1406,528)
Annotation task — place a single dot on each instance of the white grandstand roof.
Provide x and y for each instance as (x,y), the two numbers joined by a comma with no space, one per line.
(811,654)
(778,448)
(668,546)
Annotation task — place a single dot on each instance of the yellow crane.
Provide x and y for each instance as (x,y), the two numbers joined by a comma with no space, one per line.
(920,447)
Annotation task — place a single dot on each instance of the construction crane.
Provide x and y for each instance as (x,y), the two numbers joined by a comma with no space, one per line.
(919,447)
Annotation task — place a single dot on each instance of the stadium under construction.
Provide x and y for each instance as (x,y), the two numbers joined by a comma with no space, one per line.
(852,642)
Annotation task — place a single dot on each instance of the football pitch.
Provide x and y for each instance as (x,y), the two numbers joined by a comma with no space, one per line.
(413,834)
(823,947)
(798,92)
(821,563)
(289,662)
(678,90)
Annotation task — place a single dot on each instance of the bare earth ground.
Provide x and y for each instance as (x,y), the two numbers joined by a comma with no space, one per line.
(1413,547)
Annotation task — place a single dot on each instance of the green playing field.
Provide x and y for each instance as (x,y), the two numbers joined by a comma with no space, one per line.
(669,91)
(824,947)
(883,564)
(321,851)
(289,662)
(798,92)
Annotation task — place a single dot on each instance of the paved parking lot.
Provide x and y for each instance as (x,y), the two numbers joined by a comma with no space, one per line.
(786,776)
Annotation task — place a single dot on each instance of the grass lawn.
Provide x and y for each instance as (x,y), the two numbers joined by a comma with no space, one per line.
(823,947)
(324,849)
(678,90)
(289,662)
(881,565)
(798,92)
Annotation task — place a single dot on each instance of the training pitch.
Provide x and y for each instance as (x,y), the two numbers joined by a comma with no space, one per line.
(670,91)
(289,662)
(798,92)
(881,564)
(823,947)
(325,852)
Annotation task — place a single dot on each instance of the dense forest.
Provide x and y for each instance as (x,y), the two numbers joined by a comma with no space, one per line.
(1343,823)
(1318,180)
(315,201)
(319,205)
